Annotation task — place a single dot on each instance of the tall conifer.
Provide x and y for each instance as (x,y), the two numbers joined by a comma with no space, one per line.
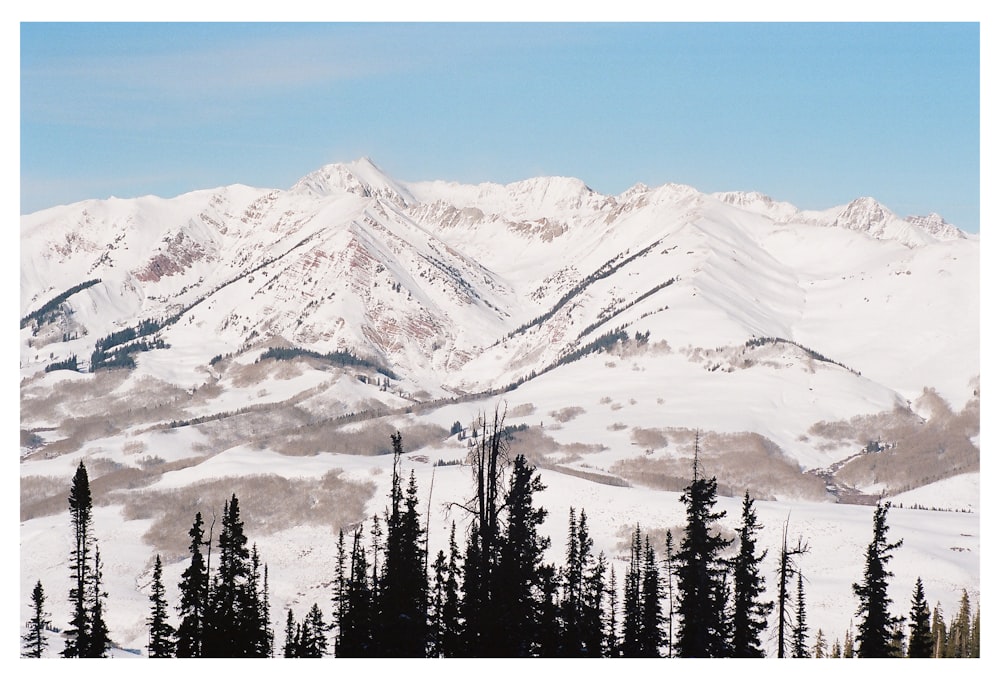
(194,596)
(875,628)
(81,517)
(161,633)
(34,640)
(921,644)
(750,611)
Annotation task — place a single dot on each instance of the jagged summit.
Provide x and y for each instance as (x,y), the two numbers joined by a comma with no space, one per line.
(361,177)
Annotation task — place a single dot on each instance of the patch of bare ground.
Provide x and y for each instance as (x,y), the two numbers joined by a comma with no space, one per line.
(371,439)
(741,461)
(544,451)
(901,451)
(42,496)
(521,410)
(564,415)
(268,503)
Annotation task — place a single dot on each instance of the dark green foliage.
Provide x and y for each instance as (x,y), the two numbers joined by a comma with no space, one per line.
(337,358)
(46,312)
(875,628)
(800,630)
(161,633)
(81,516)
(98,642)
(517,582)
(960,631)
(34,641)
(750,612)
(631,643)
(357,613)
(701,572)
(194,597)
(651,616)
(292,636)
(921,644)
(65,365)
(402,599)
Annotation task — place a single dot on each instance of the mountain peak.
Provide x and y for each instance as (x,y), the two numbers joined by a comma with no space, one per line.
(362,177)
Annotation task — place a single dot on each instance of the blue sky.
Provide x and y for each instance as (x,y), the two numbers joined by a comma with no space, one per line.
(811,113)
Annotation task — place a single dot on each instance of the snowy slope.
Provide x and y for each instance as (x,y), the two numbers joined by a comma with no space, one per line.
(824,356)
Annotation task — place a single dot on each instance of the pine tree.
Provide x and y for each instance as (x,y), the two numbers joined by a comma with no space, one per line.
(819,647)
(631,638)
(939,632)
(451,625)
(34,640)
(611,643)
(194,597)
(291,648)
(669,569)
(593,606)
(81,517)
(161,633)
(98,642)
(786,570)
(313,642)
(651,616)
(402,599)
(340,578)
(835,650)
(849,643)
(749,611)
(225,633)
(974,635)
(700,571)
(959,633)
(517,588)
(357,612)
(875,628)
(921,641)
(435,618)
(799,631)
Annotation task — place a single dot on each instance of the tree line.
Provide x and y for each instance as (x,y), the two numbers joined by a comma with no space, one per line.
(494,595)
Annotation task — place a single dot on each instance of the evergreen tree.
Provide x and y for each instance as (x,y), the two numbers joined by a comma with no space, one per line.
(921,641)
(875,628)
(593,606)
(81,517)
(34,640)
(340,578)
(939,632)
(161,633)
(670,568)
(835,649)
(611,644)
(651,616)
(98,642)
(403,596)
(232,617)
(700,571)
(356,625)
(451,625)
(291,648)
(819,647)
(786,570)
(517,583)
(974,635)
(749,611)
(194,597)
(312,640)
(849,643)
(960,631)
(799,631)
(631,638)
(435,626)
(548,642)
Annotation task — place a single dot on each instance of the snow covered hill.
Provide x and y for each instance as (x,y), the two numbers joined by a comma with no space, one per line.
(272,339)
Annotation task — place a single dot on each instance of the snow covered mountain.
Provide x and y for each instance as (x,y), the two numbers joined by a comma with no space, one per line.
(824,356)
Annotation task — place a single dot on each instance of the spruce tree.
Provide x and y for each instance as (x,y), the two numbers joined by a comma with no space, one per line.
(517,588)
(631,637)
(700,571)
(921,644)
(81,517)
(435,626)
(99,640)
(800,629)
(340,577)
(611,643)
(34,641)
(819,647)
(357,613)
(750,612)
(651,616)
(939,632)
(786,571)
(226,629)
(313,642)
(161,633)
(960,631)
(836,651)
(402,599)
(669,570)
(849,643)
(194,597)
(875,627)
(451,624)
(290,650)
(974,635)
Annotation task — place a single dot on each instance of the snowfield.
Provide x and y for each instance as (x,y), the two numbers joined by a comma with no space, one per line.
(824,357)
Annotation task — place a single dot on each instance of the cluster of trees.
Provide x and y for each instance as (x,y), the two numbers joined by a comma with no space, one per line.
(496,596)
